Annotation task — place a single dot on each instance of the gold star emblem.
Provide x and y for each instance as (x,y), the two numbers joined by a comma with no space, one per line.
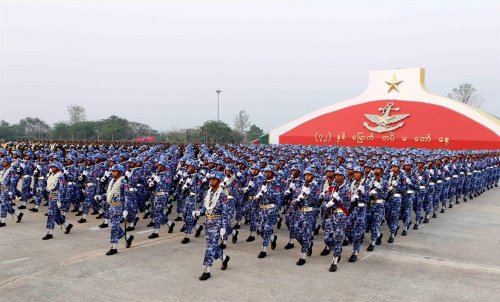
(393,84)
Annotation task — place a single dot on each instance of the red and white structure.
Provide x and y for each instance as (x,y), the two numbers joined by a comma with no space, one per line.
(397,111)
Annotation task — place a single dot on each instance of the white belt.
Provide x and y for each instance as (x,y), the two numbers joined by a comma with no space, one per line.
(422,187)
(139,185)
(26,176)
(455,176)
(361,205)
(378,201)
(90,184)
(41,178)
(410,192)
(469,174)
(192,194)
(440,181)
(230,197)
(397,195)
(70,183)
(448,178)
(431,183)
(462,173)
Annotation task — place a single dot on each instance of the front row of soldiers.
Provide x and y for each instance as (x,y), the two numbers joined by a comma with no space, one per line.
(343,199)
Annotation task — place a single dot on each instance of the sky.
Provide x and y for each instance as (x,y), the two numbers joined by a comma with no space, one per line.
(160,62)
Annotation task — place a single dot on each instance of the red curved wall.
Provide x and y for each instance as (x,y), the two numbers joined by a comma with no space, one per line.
(428,126)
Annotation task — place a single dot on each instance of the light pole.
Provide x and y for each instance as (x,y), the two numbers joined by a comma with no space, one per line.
(218,93)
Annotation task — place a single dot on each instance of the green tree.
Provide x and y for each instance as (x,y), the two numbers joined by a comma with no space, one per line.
(114,128)
(217,132)
(61,130)
(254,133)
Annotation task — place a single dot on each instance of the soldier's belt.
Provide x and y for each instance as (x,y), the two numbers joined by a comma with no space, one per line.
(307,209)
(476,171)
(455,176)
(469,174)
(361,205)
(139,185)
(41,178)
(448,178)
(230,197)
(192,194)
(431,184)
(462,173)
(410,192)
(70,183)
(26,176)
(422,187)
(213,217)
(337,210)
(378,201)
(439,181)
(267,206)
(115,204)
(53,195)
(251,198)
(90,184)
(397,195)
(161,193)
(4,188)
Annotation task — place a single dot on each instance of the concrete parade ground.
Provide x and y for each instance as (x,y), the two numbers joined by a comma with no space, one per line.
(453,258)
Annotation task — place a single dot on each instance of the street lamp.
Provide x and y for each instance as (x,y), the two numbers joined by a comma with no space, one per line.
(218,93)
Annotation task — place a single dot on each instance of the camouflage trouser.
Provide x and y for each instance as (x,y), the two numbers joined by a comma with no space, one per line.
(159,204)
(266,220)
(291,216)
(132,205)
(334,232)
(115,217)
(418,204)
(26,188)
(189,207)
(90,192)
(445,192)
(406,207)
(453,189)
(240,208)
(71,196)
(6,207)
(467,186)
(230,213)
(304,224)
(437,195)
(251,212)
(460,185)
(54,215)
(377,214)
(40,191)
(357,221)
(429,199)
(212,234)
(393,209)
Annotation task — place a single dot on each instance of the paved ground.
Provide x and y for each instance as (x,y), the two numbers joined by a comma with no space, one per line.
(453,258)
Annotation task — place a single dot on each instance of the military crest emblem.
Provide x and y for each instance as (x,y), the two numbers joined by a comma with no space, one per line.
(385,122)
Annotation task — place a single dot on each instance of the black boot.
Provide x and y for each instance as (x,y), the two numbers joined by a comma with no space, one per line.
(325,252)
(262,255)
(2,224)
(345,242)
(250,238)
(224,263)
(301,261)
(235,237)
(450,206)
(222,246)
(146,215)
(129,241)
(178,218)
(204,276)
(80,213)
(426,220)
(316,230)
(289,246)
(47,237)
(442,210)
(22,207)
(183,227)
(273,243)
(34,210)
(103,225)
(236,227)
(379,239)
(333,268)
(278,225)
(68,228)
(130,228)
(171,228)
(391,240)
(185,240)
(353,258)
(415,226)
(100,216)
(198,231)
(19,217)
(310,250)
(370,248)
(153,236)
(82,220)
(150,224)
(404,233)
(94,213)
(74,210)
(111,252)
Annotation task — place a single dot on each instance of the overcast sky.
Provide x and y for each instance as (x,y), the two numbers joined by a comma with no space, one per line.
(160,62)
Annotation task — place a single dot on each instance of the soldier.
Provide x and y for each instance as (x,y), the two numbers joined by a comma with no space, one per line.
(335,218)
(40,174)
(159,196)
(133,176)
(307,202)
(89,181)
(251,190)
(28,168)
(269,199)
(231,188)
(378,196)
(292,191)
(215,208)
(8,182)
(409,183)
(359,190)
(393,207)
(116,198)
(72,197)
(326,194)
(56,186)
(190,190)
(422,184)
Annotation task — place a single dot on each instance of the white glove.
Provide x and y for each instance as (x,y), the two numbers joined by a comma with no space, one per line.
(157,178)
(125,214)
(394,183)
(361,189)
(184,174)
(203,172)
(391,174)
(39,167)
(306,190)
(38,190)
(22,165)
(408,181)
(245,190)
(292,186)
(446,168)
(98,198)
(10,194)
(85,173)
(431,172)
(377,185)
(330,204)
(222,232)
(196,213)
(263,189)
(107,173)
(355,197)
(239,174)
(420,178)
(258,196)
(128,174)
(103,179)
(336,195)
(59,204)
(184,187)
(373,192)
(251,184)
(322,195)
(65,171)
(204,179)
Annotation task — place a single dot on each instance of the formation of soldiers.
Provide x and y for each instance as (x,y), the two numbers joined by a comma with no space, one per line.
(342,192)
